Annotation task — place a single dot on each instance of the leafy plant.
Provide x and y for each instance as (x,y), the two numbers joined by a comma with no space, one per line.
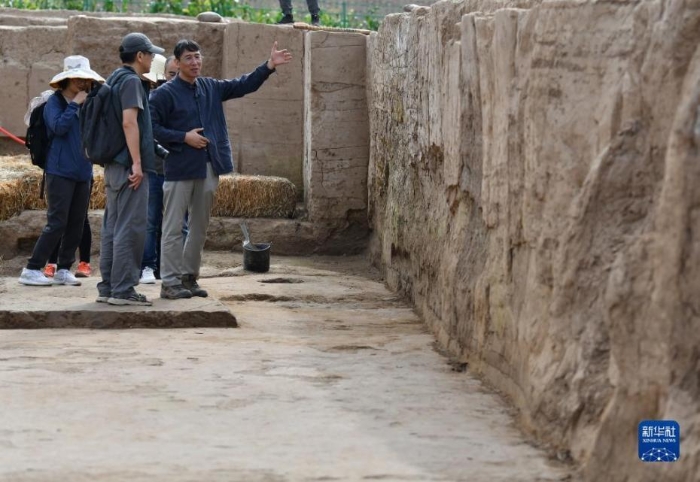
(225,8)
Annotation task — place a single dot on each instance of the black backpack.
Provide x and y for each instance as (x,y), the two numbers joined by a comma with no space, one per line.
(101,131)
(37,139)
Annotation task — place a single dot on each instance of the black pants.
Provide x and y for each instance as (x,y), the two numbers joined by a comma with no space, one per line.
(68,202)
(85,245)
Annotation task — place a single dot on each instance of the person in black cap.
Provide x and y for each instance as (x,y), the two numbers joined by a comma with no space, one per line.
(126,178)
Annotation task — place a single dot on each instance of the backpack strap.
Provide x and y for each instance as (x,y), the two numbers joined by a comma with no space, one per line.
(42,188)
(115,83)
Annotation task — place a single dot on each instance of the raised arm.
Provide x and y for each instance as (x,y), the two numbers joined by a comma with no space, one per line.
(278,57)
(249,83)
(58,119)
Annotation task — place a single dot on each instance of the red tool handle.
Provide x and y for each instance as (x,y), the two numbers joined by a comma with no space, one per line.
(11,136)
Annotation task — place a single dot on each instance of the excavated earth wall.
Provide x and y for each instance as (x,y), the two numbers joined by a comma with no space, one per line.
(533,187)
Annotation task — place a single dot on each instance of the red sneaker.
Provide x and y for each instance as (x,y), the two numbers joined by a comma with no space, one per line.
(50,270)
(83,270)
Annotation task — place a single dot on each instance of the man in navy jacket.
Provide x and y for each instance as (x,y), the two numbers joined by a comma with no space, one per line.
(188,120)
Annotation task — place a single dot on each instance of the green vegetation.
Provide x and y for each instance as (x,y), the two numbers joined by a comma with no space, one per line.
(226,8)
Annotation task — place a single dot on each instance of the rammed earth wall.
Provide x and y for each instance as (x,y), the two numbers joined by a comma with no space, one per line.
(533,187)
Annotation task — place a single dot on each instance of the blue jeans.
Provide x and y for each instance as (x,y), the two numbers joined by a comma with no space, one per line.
(151,252)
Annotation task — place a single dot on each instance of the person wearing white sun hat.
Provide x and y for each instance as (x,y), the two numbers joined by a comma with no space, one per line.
(157,74)
(68,175)
(75,67)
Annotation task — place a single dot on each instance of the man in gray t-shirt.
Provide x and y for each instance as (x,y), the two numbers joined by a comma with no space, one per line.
(126,178)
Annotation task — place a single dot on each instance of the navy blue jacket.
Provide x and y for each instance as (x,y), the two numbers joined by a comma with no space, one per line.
(178,107)
(65,156)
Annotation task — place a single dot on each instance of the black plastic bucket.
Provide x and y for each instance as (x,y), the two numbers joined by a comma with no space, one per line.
(257,259)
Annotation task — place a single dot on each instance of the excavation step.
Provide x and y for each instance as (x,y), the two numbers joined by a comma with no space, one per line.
(25,307)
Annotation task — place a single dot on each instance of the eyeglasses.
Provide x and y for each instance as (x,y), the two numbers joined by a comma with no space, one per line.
(190,59)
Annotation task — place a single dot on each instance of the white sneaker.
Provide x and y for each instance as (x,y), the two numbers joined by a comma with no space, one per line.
(65,277)
(34,277)
(147,276)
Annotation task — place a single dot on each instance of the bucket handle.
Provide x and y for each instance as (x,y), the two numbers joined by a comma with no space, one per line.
(246,238)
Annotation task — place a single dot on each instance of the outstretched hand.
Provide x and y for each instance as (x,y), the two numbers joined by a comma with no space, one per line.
(278,57)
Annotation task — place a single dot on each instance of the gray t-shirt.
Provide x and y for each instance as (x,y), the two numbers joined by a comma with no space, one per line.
(131,93)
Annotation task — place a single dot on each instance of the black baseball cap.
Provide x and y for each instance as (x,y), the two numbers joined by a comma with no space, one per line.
(138,42)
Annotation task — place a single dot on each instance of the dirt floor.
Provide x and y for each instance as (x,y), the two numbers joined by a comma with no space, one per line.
(329,377)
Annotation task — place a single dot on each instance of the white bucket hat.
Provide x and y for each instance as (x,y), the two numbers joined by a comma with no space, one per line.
(157,69)
(76,67)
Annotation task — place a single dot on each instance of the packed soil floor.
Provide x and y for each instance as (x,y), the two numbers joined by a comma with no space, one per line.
(329,376)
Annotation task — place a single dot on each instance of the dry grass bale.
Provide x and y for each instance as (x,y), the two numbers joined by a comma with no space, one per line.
(14,167)
(98,199)
(237,196)
(29,189)
(17,195)
(10,199)
(255,197)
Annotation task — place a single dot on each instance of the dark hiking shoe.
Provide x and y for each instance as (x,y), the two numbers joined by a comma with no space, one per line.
(103,296)
(315,19)
(189,281)
(286,19)
(134,299)
(175,292)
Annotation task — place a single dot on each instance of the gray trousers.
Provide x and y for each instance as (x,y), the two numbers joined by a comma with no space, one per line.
(123,232)
(286,6)
(196,197)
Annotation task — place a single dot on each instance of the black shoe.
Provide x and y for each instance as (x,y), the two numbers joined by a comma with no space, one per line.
(315,20)
(175,292)
(133,299)
(288,18)
(189,281)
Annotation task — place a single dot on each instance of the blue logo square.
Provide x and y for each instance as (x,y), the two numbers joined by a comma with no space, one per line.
(659,441)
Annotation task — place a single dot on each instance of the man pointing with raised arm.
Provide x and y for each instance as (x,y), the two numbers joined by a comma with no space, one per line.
(188,120)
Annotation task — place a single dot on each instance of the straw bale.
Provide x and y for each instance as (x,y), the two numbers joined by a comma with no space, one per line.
(10,200)
(237,196)
(17,195)
(255,197)
(14,167)
(98,199)
(29,189)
